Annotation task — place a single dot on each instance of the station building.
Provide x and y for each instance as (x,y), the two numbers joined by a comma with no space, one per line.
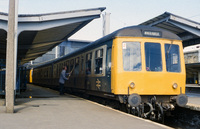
(62,49)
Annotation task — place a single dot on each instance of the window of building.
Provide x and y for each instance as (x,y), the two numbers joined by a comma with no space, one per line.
(131,56)
(153,57)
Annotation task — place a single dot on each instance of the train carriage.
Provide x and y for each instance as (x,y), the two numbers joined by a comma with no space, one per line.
(139,66)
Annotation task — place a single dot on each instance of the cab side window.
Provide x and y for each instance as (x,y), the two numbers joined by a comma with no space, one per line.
(109,51)
(98,61)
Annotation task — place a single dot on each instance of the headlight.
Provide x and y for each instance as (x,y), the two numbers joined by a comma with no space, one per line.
(175,85)
(132,85)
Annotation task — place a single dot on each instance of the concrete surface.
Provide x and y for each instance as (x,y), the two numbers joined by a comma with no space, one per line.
(193,93)
(67,112)
(2,102)
(193,101)
(192,85)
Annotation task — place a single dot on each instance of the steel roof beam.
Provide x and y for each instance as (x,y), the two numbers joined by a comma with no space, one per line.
(186,28)
(159,21)
(38,45)
(34,54)
(37,26)
(184,21)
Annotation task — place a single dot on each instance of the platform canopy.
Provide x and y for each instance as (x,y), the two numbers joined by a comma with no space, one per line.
(37,34)
(188,30)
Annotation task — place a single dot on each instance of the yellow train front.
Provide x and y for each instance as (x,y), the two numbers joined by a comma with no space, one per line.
(148,70)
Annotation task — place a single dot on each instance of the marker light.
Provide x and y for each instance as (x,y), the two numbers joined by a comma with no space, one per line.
(132,85)
(175,85)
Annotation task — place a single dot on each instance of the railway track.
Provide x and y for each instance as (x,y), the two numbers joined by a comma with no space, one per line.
(183,118)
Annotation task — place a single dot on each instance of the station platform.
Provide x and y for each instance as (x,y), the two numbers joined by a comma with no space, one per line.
(192,86)
(193,93)
(42,108)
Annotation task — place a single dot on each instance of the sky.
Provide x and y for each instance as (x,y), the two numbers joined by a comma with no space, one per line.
(123,12)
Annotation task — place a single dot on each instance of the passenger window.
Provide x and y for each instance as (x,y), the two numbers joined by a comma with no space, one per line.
(57,71)
(153,57)
(50,71)
(131,56)
(82,63)
(72,65)
(54,71)
(61,67)
(88,63)
(67,65)
(47,74)
(98,61)
(76,69)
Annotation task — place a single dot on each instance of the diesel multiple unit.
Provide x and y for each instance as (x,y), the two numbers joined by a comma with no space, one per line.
(142,67)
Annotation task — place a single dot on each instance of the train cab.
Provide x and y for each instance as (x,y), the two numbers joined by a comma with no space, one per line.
(150,64)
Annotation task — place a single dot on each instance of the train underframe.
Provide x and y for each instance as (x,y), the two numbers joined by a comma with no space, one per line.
(152,107)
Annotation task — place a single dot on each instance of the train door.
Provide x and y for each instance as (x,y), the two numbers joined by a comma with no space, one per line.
(88,70)
(100,78)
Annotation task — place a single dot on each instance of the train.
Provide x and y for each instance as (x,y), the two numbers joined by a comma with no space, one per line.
(141,67)
(191,55)
(20,79)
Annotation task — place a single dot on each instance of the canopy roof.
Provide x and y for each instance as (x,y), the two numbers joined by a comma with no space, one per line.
(187,30)
(37,34)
